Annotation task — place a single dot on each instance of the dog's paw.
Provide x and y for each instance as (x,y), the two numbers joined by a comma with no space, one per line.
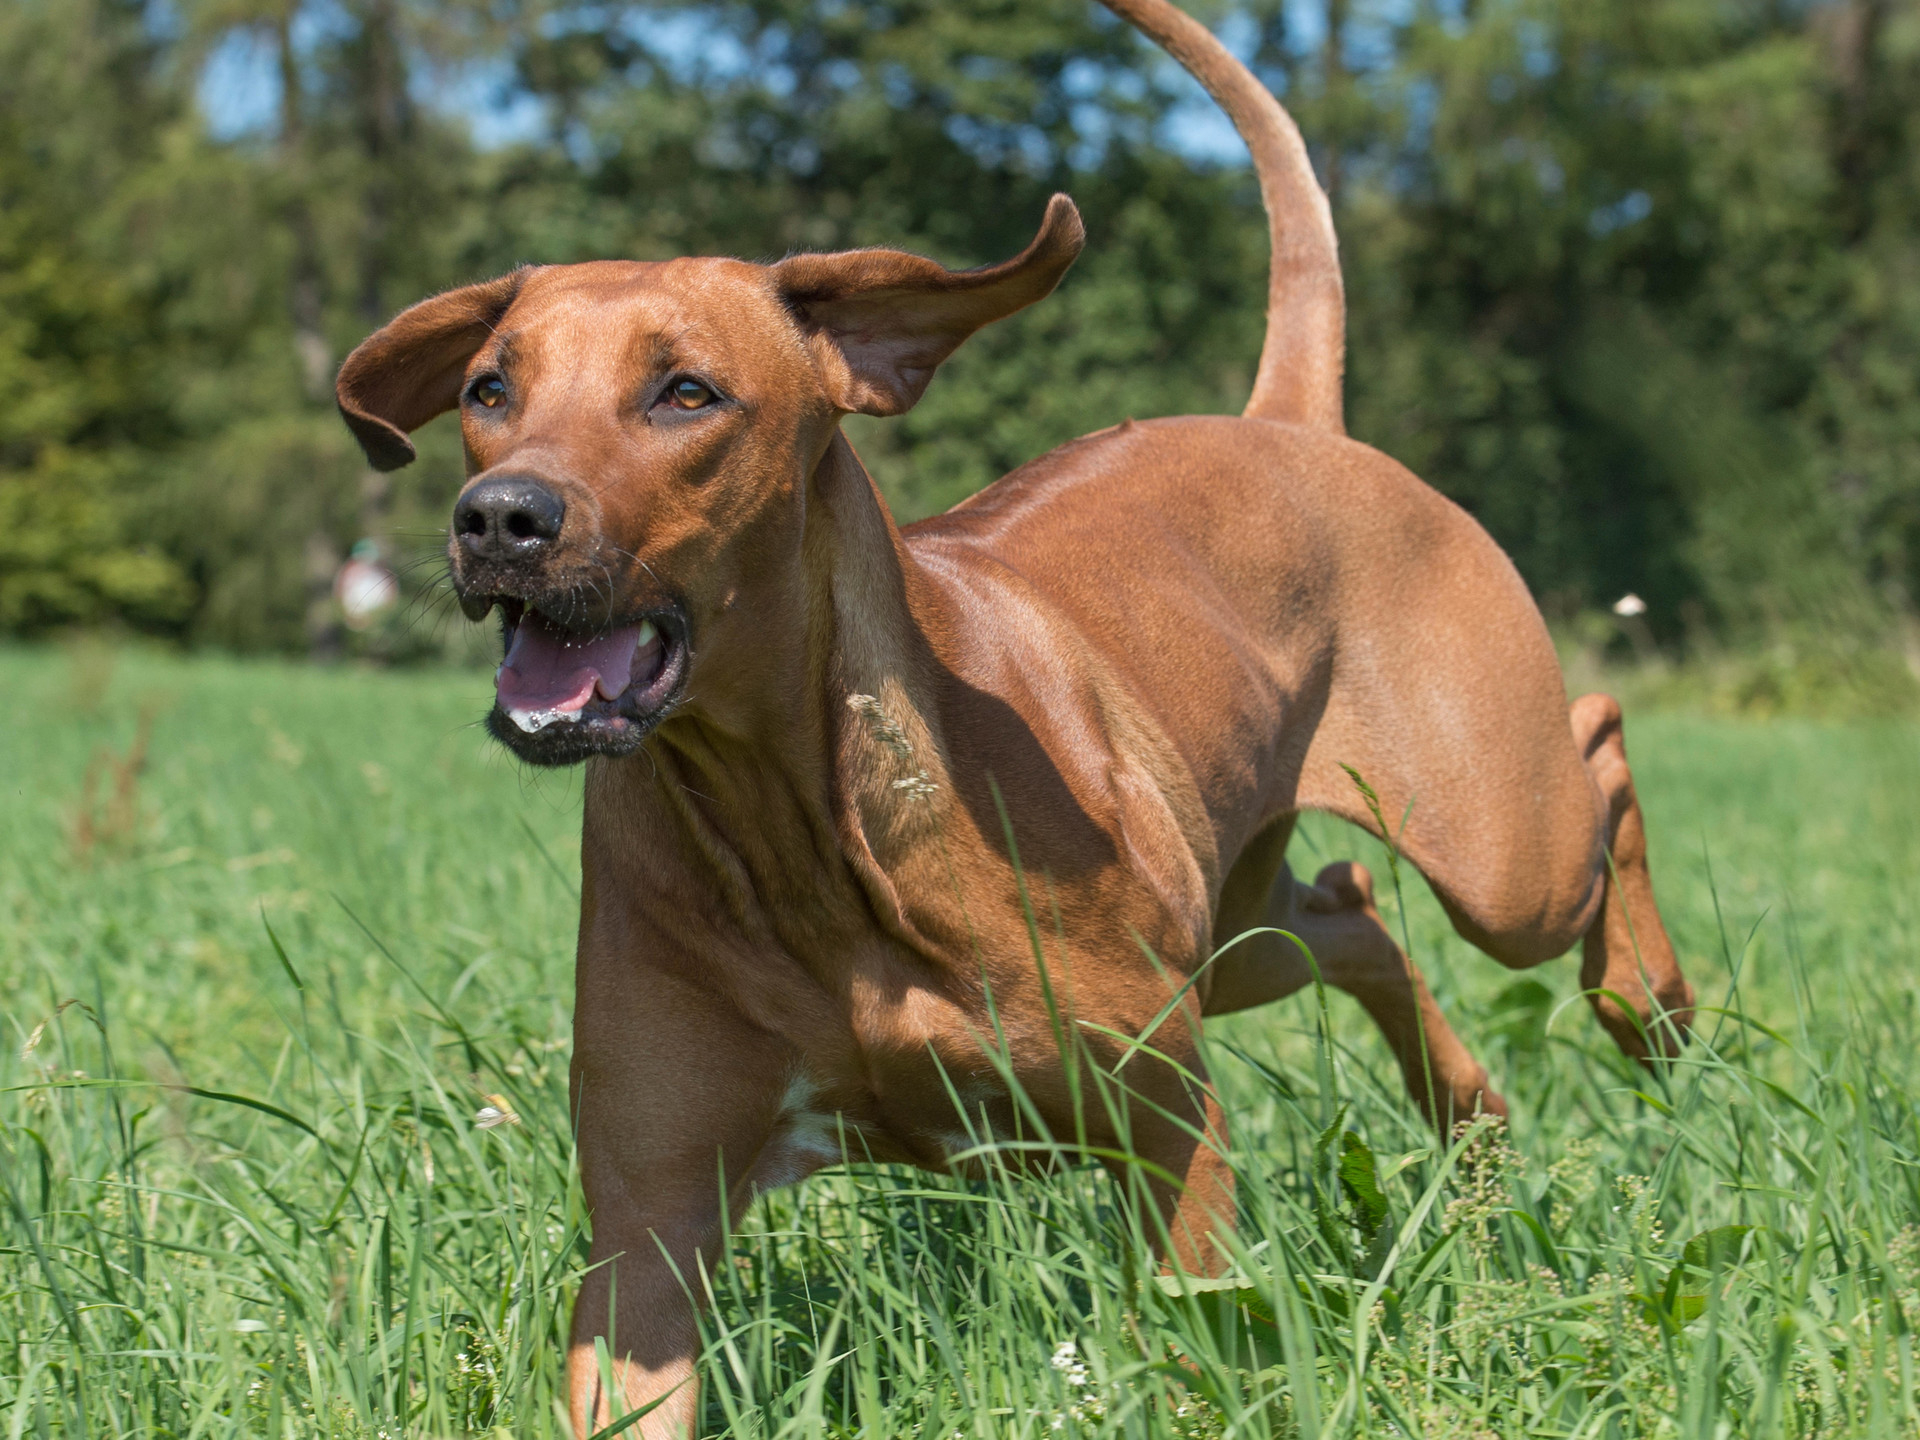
(1343,885)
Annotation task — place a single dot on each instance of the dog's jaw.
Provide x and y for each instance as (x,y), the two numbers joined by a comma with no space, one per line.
(621,681)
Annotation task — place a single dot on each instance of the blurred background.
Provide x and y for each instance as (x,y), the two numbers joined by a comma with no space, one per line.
(1637,282)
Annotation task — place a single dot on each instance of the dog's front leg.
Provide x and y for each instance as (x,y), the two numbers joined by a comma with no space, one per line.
(676,1098)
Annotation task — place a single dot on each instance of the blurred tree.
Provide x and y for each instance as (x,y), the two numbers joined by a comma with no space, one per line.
(355,189)
(84,347)
(1599,261)
(1637,283)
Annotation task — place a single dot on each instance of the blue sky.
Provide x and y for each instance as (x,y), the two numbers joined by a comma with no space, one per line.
(239,89)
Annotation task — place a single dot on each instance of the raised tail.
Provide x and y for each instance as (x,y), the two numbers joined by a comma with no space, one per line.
(1301,361)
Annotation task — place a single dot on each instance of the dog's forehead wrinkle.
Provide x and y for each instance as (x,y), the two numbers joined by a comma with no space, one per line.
(632,337)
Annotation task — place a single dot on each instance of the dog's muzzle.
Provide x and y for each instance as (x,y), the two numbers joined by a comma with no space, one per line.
(563,695)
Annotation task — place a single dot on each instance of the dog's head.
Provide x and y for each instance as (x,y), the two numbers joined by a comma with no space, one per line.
(639,439)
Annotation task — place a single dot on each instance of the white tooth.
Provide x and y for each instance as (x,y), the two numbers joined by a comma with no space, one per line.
(647,635)
(534,721)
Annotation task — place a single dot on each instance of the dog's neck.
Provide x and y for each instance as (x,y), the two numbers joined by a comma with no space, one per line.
(801,792)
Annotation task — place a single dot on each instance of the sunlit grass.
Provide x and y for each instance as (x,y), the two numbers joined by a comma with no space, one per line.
(284,1144)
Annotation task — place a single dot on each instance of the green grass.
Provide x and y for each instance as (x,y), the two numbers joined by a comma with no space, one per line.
(247,1194)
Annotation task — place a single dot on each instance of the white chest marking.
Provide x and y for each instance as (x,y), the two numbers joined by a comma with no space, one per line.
(804,1138)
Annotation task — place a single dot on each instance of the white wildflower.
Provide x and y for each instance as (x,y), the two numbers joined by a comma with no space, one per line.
(495,1113)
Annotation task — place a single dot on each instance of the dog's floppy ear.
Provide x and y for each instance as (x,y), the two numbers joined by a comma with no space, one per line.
(410,370)
(881,321)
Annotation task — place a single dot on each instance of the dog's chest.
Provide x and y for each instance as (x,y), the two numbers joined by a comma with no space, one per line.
(936,1077)
(903,1090)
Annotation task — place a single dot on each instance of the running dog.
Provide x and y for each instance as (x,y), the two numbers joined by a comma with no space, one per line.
(821,749)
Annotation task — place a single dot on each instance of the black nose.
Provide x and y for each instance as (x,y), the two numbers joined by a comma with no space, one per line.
(509,518)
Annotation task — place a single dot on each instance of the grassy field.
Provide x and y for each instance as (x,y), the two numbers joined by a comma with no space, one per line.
(284,1146)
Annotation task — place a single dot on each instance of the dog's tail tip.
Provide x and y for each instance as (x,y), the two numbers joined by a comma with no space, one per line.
(1299,379)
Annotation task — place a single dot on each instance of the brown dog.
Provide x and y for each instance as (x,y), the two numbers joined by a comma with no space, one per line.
(1153,647)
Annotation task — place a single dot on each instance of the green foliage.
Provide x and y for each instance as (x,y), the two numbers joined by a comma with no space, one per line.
(1635,283)
(1605,301)
(284,1139)
(81,344)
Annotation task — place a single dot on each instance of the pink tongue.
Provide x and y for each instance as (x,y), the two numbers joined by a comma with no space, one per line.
(548,670)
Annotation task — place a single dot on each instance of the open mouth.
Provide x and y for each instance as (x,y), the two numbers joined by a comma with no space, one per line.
(563,695)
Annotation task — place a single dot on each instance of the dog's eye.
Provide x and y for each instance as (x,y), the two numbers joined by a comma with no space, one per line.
(490,392)
(689,395)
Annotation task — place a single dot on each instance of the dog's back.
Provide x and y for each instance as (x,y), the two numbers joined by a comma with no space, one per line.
(1328,604)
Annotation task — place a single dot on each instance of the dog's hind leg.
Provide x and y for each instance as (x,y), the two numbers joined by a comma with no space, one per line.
(1337,921)
(1627,957)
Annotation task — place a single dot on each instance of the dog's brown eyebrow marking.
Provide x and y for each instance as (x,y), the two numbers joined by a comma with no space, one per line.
(502,351)
(658,350)
(653,356)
